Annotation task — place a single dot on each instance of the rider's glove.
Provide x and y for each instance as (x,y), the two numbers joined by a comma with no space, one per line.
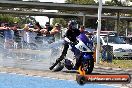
(75,42)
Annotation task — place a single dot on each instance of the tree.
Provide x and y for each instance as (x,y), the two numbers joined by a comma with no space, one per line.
(81,1)
(61,21)
(122,23)
(118,3)
(9,18)
(56,20)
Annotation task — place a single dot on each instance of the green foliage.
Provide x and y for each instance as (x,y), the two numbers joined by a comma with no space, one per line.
(64,21)
(60,21)
(117,2)
(81,1)
(108,24)
(8,18)
(21,20)
(122,24)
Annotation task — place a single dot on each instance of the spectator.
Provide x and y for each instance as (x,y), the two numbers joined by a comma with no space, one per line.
(53,33)
(2,33)
(48,26)
(47,29)
(29,35)
(8,36)
(38,28)
(16,33)
(26,27)
(82,29)
(16,37)
(56,31)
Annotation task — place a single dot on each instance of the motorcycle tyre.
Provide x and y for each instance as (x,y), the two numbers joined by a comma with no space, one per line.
(58,67)
(90,66)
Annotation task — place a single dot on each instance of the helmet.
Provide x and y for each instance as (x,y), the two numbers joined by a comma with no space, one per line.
(72,24)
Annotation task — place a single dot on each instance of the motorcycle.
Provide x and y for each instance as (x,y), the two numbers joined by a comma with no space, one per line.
(83,55)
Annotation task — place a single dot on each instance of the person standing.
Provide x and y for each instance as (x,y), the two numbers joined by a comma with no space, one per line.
(2,33)
(56,31)
(29,36)
(82,29)
(53,33)
(16,36)
(8,36)
(37,30)
(47,29)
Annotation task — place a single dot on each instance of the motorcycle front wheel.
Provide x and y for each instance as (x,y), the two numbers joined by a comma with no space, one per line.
(88,66)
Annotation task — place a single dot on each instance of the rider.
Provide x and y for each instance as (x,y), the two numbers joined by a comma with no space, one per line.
(39,36)
(71,33)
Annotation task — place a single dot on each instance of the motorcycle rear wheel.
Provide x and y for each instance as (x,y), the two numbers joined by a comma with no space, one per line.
(58,67)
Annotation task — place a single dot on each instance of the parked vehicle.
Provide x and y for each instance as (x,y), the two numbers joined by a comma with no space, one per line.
(127,39)
(120,48)
(85,57)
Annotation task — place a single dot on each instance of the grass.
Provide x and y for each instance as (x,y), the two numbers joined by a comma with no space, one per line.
(124,64)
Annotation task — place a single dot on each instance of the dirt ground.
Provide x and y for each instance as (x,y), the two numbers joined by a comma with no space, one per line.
(45,73)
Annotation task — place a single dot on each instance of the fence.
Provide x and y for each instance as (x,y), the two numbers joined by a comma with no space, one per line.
(39,55)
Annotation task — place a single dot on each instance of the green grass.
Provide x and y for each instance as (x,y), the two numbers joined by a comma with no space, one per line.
(125,64)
